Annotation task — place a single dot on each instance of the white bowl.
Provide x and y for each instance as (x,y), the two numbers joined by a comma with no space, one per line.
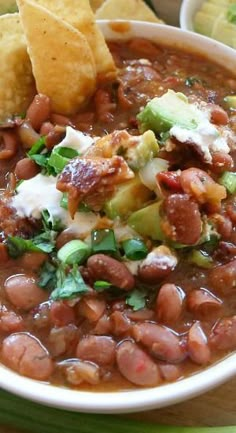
(140,399)
(187,12)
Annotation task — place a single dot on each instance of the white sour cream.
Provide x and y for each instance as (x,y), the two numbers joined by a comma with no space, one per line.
(76,140)
(40,193)
(206,137)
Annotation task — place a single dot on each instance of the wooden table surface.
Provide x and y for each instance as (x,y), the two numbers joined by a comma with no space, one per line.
(215,408)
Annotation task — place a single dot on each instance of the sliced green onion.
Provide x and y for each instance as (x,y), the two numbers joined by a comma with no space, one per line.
(81,208)
(104,241)
(100,286)
(228,180)
(134,249)
(73,252)
(60,157)
(37,147)
(201,259)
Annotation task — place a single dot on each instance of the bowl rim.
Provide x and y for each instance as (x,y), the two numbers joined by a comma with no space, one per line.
(164,395)
(187,10)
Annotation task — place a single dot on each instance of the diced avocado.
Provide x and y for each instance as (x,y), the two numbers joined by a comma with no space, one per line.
(231,102)
(8,6)
(172,108)
(147,222)
(147,149)
(129,197)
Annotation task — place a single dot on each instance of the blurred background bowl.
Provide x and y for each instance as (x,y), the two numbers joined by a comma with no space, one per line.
(188,10)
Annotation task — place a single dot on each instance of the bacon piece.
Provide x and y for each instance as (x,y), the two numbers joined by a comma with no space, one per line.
(92,180)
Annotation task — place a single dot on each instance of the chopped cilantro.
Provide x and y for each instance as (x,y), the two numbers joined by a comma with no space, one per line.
(137,299)
(44,242)
(190,81)
(47,279)
(69,285)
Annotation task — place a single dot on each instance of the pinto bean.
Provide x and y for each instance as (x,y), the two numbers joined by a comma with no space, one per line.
(136,366)
(223,334)
(184,218)
(106,268)
(78,372)
(157,265)
(169,303)
(26,168)
(198,184)
(4,256)
(98,349)
(221,162)
(9,144)
(218,115)
(170,372)
(32,260)
(23,291)
(224,225)
(198,348)
(223,278)
(25,354)
(203,304)
(120,323)
(140,315)
(28,135)
(64,237)
(61,314)
(103,326)
(91,308)
(63,340)
(38,111)
(59,119)
(10,321)
(160,341)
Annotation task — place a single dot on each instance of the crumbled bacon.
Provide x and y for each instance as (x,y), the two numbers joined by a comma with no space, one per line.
(92,180)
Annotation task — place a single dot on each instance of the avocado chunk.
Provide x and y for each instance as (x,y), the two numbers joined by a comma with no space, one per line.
(147,222)
(172,108)
(137,157)
(230,102)
(8,7)
(129,197)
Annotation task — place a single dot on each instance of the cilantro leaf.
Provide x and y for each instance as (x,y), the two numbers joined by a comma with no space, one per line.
(18,246)
(69,285)
(47,278)
(137,299)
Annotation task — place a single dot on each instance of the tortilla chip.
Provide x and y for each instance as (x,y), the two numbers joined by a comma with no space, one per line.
(62,62)
(95,4)
(17,86)
(80,15)
(126,10)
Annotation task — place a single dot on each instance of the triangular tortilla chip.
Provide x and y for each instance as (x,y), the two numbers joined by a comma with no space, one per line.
(62,62)
(17,86)
(126,10)
(80,15)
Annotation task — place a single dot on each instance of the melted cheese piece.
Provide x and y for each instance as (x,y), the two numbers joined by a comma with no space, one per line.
(40,193)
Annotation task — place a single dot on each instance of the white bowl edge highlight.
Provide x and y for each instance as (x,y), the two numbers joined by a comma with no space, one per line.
(187,12)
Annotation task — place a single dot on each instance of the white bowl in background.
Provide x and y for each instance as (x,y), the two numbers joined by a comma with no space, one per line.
(187,12)
(164,395)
